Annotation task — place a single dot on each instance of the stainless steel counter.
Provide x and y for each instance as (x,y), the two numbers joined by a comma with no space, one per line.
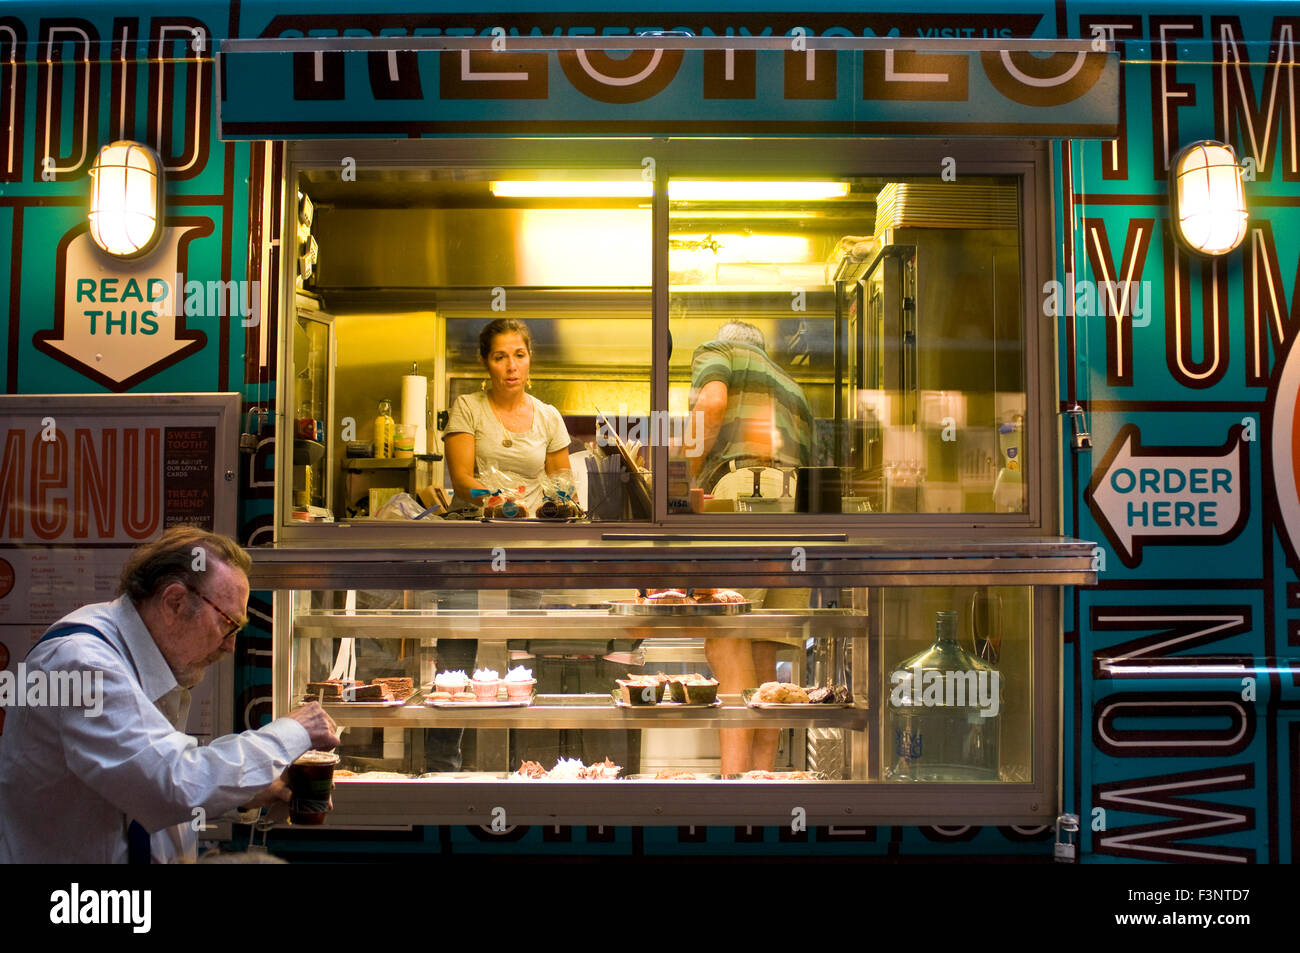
(629,559)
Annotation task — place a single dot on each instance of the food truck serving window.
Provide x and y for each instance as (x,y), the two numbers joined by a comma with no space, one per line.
(623,331)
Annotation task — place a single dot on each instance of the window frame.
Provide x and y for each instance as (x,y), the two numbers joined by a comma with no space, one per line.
(1026,160)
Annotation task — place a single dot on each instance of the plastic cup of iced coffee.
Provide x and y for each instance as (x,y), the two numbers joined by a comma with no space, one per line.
(311,778)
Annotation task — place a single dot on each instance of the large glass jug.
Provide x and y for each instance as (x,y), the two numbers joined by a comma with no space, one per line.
(943,713)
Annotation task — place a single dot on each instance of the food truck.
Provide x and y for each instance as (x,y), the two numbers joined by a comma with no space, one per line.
(912,396)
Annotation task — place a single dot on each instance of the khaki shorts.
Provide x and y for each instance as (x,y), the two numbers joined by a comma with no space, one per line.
(779,599)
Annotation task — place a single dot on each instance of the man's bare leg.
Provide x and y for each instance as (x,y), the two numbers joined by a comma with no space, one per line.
(766,740)
(733,666)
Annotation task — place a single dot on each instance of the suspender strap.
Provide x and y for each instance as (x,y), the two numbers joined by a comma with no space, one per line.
(137,838)
(73,629)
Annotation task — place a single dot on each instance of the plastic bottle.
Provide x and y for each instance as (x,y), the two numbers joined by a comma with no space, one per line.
(385,429)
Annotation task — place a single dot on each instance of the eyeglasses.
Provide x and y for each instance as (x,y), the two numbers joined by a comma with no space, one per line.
(235,627)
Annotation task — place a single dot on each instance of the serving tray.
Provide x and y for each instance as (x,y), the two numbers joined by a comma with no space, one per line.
(749,693)
(632,607)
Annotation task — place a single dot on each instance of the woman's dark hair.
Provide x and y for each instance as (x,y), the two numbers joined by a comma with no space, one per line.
(502,326)
(171,557)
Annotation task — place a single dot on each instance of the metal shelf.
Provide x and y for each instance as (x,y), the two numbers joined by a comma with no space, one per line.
(598,712)
(571,623)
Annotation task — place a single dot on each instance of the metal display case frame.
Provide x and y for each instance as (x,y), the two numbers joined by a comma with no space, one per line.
(1043,564)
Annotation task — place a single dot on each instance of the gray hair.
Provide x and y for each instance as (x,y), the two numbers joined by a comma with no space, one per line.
(740,332)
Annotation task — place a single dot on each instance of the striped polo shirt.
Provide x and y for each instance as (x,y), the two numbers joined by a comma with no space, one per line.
(768,419)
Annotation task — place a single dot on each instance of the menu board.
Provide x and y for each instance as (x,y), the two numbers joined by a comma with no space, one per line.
(83,481)
(188,462)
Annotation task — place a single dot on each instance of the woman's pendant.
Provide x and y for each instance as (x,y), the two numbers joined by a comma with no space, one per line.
(507,442)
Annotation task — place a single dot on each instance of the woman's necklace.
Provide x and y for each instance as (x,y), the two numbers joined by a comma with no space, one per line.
(505,432)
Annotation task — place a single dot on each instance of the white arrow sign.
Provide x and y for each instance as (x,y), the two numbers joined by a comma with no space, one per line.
(1169,495)
(116,321)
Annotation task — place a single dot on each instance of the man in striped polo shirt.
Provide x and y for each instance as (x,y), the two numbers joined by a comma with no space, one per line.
(752,412)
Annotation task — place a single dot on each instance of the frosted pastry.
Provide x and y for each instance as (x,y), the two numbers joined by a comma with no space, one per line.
(452,682)
(519,683)
(567,769)
(486,684)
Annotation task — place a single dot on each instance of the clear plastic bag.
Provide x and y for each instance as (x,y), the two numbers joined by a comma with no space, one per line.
(559,496)
(504,496)
(401,506)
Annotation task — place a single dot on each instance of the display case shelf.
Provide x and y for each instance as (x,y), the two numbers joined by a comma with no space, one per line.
(575,623)
(599,712)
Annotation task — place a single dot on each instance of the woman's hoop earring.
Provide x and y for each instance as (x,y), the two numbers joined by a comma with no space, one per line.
(528,384)
(483,385)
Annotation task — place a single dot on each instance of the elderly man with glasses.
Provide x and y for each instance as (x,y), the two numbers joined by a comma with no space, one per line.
(116,779)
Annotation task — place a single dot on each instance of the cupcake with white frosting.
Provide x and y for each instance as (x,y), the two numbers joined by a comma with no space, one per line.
(519,684)
(486,683)
(451,682)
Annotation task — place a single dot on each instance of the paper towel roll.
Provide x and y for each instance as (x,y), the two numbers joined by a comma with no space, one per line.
(415,394)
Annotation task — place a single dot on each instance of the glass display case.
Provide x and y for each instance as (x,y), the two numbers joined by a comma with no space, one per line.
(668,702)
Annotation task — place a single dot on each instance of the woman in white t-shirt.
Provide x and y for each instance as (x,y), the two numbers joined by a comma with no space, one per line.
(504,426)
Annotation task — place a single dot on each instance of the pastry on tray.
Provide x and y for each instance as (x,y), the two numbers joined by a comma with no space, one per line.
(643,689)
(670,775)
(363,693)
(665,597)
(717,596)
(567,769)
(326,691)
(693,689)
(519,684)
(485,684)
(780,693)
(453,682)
(395,689)
(571,769)
(606,770)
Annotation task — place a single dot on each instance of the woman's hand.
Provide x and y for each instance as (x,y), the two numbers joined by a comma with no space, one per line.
(460,464)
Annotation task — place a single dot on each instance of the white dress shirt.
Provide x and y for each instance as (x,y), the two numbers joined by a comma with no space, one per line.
(71,784)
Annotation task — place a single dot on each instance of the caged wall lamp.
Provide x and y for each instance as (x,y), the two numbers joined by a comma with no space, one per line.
(126,199)
(1207,199)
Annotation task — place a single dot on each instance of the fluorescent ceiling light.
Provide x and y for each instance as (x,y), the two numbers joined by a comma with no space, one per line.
(550,189)
(680,190)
